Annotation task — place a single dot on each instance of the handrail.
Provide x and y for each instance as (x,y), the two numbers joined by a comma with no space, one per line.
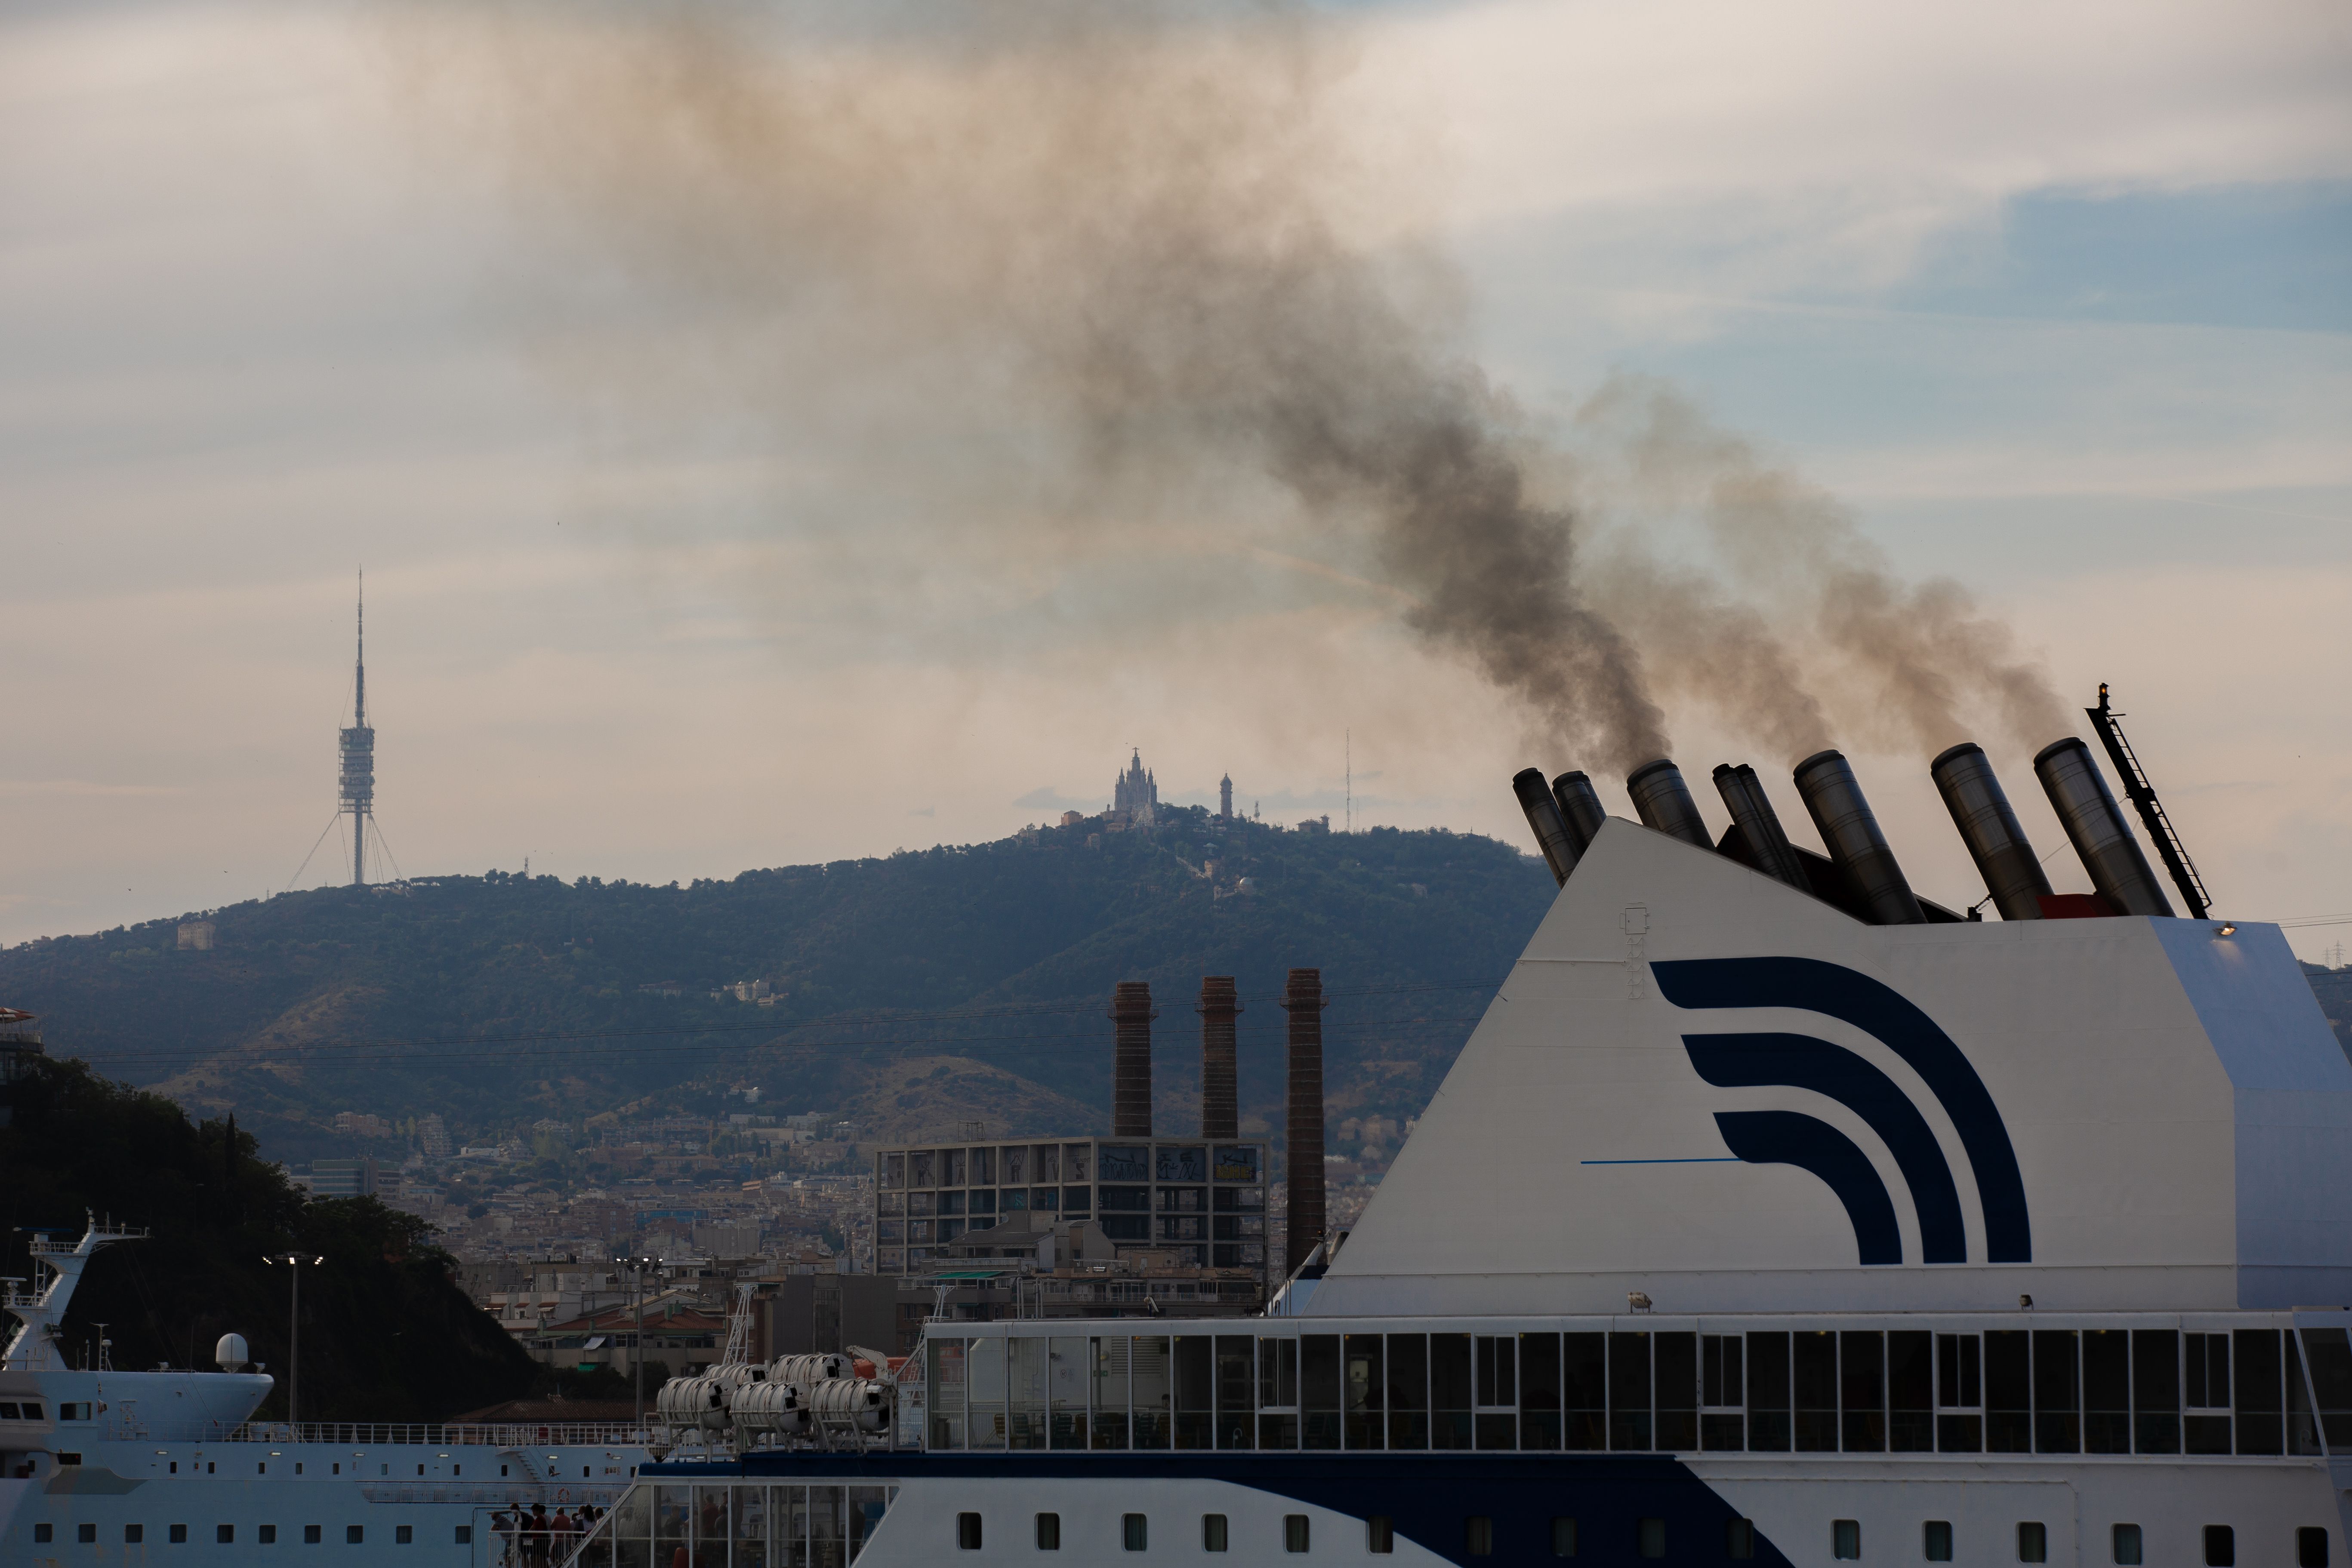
(489,1434)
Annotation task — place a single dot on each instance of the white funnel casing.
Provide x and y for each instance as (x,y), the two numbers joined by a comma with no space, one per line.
(1701,1085)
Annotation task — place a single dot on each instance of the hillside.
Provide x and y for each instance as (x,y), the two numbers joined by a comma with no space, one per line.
(912,991)
(386,1333)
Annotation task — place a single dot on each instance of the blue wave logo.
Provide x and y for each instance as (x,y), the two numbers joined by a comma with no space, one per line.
(1800,1061)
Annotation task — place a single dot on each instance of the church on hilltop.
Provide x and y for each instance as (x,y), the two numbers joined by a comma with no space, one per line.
(1135,794)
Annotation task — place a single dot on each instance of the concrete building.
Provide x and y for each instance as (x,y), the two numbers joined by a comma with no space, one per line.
(1199,1205)
(344,1179)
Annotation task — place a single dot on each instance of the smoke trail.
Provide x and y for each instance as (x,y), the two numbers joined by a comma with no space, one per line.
(1064,255)
(1905,663)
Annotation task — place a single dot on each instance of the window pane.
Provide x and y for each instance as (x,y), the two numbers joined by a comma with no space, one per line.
(1910,1391)
(2259,1391)
(2057,1410)
(1450,1391)
(1539,1390)
(2008,1402)
(1236,1390)
(1408,1361)
(1584,1380)
(1195,1392)
(1815,1380)
(2106,1392)
(1150,1422)
(1069,1369)
(984,1374)
(1025,1360)
(1629,1391)
(1319,1390)
(1768,1429)
(1861,1390)
(1366,1380)
(1677,1391)
(2329,1351)
(2156,1390)
(1110,1391)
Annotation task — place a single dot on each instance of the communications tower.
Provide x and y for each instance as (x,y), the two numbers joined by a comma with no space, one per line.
(358,752)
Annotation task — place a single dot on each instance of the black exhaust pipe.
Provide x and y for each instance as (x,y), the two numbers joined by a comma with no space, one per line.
(2004,857)
(1561,851)
(1664,803)
(1759,825)
(2078,791)
(1834,798)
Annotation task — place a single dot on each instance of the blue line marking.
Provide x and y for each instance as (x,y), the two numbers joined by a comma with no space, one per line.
(1695,1159)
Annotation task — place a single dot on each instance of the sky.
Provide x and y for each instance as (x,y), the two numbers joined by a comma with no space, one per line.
(2055,302)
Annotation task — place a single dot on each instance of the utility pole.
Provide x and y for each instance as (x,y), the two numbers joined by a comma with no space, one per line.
(637,1267)
(294,1262)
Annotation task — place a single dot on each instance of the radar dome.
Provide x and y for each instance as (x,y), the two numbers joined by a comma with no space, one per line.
(231,1353)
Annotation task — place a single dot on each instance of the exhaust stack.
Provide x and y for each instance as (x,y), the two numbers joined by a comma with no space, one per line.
(1303,1141)
(2005,859)
(1131,1088)
(1579,807)
(1759,825)
(1560,850)
(2101,837)
(1834,800)
(1219,1070)
(1663,802)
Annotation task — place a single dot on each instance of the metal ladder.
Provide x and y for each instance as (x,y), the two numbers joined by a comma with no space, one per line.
(2142,795)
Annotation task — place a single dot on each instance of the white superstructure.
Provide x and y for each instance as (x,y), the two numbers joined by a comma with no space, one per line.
(104,1467)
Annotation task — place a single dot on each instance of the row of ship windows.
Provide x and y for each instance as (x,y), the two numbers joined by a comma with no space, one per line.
(1649,1538)
(2044,1391)
(44,1533)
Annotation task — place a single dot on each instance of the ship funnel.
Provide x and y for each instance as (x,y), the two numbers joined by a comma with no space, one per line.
(1220,1093)
(1834,798)
(1560,850)
(2005,859)
(1131,1088)
(1663,802)
(1302,998)
(1759,825)
(1579,807)
(2078,791)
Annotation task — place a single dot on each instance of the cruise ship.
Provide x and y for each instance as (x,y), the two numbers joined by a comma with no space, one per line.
(1771,1215)
(107,1466)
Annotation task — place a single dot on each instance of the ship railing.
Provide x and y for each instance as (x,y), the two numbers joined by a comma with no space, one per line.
(487,1435)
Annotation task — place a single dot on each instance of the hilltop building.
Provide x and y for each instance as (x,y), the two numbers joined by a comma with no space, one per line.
(1135,794)
(1225,798)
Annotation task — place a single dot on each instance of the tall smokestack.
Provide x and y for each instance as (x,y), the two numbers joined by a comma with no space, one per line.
(1579,807)
(1663,802)
(1759,825)
(2078,792)
(1560,850)
(1131,1088)
(1833,798)
(1980,808)
(1302,1147)
(1220,1090)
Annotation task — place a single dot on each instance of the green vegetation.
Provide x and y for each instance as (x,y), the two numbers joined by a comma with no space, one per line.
(386,1333)
(498,1000)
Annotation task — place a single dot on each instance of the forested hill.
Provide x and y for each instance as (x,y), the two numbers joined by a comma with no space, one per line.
(983,971)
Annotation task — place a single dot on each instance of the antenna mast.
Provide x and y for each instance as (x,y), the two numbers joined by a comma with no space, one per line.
(358,751)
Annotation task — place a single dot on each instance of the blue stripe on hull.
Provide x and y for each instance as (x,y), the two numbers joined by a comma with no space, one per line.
(1426,1497)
